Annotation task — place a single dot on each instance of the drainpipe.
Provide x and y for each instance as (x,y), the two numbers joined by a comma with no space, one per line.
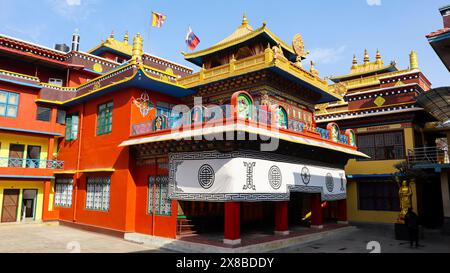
(154,194)
(78,175)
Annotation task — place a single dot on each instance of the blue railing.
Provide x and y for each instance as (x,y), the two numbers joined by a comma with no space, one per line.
(31,163)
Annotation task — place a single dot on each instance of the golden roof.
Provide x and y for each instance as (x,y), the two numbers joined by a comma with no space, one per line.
(122,47)
(242,30)
(243,33)
(367,66)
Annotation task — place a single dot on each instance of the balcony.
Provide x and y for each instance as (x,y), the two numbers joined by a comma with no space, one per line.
(225,114)
(31,163)
(429,157)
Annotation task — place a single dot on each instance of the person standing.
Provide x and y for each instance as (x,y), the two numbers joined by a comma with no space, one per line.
(412,222)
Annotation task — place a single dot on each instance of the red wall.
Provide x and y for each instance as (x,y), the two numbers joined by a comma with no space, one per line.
(129,184)
(26,115)
(164,226)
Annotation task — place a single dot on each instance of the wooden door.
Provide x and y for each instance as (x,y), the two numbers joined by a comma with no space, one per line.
(16,152)
(10,204)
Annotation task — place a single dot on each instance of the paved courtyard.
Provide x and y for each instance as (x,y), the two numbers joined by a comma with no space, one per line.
(357,242)
(45,238)
(52,238)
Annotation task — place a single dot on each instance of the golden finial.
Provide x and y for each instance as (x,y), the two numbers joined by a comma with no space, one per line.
(354,62)
(313,70)
(366,57)
(244,20)
(138,50)
(413,60)
(111,35)
(125,39)
(378,58)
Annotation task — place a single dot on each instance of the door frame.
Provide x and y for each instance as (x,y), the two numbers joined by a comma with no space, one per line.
(3,203)
(23,154)
(28,159)
(34,203)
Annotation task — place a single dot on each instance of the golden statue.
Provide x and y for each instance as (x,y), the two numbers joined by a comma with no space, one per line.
(405,194)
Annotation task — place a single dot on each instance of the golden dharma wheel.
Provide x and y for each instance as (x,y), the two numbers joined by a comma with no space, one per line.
(298,45)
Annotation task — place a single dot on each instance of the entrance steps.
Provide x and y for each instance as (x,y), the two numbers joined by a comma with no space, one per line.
(185,228)
(271,246)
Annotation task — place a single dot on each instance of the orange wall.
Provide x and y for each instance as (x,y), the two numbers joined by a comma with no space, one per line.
(129,184)
(164,226)
(26,115)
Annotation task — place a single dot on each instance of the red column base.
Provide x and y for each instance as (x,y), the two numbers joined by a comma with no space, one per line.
(282,218)
(232,229)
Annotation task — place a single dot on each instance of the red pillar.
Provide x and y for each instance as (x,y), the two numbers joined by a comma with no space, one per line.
(51,144)
(342,212)
(232,231)
(317,211)
(282,218)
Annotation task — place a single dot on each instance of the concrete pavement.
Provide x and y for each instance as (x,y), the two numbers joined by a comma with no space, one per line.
(52,238)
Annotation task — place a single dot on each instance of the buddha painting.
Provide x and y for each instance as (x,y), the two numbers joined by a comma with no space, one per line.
(244,107)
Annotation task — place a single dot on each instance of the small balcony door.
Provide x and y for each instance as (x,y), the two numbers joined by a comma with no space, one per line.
(16,152)
(33,156)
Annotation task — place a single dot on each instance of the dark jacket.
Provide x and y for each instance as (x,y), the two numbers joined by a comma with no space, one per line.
(412,220)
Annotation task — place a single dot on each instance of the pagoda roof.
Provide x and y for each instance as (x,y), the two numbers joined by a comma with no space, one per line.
(244,34)
(124,49)
(127,75)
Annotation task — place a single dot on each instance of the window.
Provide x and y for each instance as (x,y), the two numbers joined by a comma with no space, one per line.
(379,196)
(104,119)
(63,192)
(97,195)
(9,104)
(61,117)
(158,196)
(54,81)
(44,113)
(72,127)
(382,146)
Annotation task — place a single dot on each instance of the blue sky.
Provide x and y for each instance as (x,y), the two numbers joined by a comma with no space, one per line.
(333,30)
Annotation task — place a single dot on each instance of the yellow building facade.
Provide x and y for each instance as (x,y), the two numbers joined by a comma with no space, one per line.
(379,105)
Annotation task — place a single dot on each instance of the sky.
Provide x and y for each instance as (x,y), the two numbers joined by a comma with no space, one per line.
(333,31)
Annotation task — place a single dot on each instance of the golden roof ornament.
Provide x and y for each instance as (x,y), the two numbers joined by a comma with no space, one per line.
(244,20)
(298,45)
(126,38)
(111,35)
(313,70)
(354,62)
(378,58)
(413,60)
(366,57)
(138,50)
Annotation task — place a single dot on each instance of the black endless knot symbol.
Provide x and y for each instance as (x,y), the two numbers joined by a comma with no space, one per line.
(275,177)
(206,176)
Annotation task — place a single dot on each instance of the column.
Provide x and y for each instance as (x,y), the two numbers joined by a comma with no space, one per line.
(281,218)
(445,200)
(45,207)
(232,229)
(317,211)
(342,212)
(51,144)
